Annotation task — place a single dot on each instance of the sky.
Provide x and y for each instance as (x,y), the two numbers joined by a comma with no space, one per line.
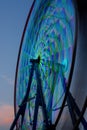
(13,14)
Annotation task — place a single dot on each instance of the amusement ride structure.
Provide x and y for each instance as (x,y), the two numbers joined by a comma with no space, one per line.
(45,67)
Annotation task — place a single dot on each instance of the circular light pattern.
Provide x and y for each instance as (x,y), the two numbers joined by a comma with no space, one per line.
(49,34)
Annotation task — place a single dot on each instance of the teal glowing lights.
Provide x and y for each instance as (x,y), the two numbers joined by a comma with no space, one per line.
(50,34)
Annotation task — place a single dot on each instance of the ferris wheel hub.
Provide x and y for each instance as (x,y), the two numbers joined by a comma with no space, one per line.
(35,60)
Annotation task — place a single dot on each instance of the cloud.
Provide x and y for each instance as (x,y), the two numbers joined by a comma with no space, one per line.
(7,79)
(6,115)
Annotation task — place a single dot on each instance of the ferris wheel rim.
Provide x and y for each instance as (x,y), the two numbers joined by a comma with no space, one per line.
(21,43)
(19,53)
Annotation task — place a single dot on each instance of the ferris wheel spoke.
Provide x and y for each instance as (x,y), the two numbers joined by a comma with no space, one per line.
(53,65)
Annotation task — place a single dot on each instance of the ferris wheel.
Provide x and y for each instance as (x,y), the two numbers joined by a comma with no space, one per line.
(45,65)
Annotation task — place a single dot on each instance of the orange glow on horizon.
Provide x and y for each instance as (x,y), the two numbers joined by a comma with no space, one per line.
(6,115)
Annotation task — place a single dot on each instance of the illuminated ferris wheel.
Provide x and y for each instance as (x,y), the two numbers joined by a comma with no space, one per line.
(45,65)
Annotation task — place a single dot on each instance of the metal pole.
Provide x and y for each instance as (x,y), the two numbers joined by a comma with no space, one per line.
(22,108)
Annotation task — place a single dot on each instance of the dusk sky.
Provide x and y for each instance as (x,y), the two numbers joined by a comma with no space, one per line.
(13,14)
